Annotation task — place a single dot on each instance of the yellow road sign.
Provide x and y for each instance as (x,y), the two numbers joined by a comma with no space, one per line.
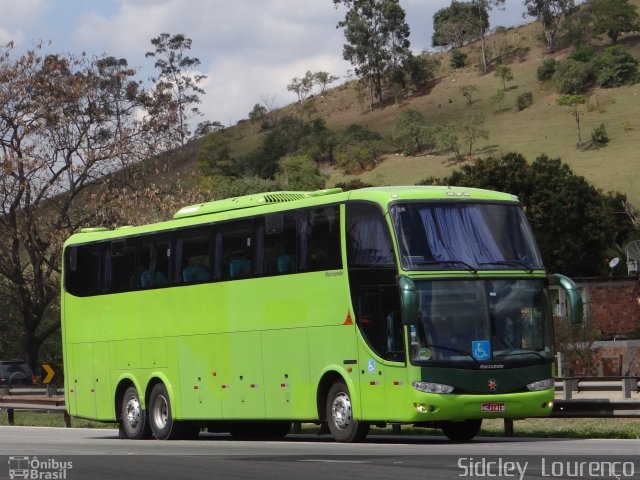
(49,373)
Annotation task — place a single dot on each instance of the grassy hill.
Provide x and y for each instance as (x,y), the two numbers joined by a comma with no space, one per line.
(545,127)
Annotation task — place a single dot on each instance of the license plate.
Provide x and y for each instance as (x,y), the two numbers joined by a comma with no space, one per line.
(492,407)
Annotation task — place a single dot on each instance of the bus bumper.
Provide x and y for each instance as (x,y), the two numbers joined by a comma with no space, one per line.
(437,407)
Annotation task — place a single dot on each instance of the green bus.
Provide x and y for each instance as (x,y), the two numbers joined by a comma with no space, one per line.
(394,305)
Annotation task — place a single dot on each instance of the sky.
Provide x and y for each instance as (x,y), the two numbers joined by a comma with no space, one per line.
(249,49)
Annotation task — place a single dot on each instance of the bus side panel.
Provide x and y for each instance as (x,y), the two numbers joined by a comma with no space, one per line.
(335,348)
(102,381)
(285,359)
(242,382)
(83,382)
(199,377)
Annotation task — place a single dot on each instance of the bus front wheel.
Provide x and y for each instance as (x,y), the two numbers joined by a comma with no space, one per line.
(132,417)
(340,416)
(462,431)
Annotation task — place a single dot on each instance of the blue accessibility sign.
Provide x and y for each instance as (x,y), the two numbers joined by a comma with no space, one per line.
(481,349)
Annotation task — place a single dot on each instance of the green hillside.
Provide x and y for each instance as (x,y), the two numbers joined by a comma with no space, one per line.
(545,127)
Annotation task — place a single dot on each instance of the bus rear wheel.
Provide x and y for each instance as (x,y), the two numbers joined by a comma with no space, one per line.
(133,418)
(340,416)
(461,431)
(163,426)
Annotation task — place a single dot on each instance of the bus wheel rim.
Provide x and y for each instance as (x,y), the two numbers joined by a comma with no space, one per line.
(132,412)
(161,412)
(341,410)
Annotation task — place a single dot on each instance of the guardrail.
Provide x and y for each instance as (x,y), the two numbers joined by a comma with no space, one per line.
(48,398)
(566,405)
(609,404)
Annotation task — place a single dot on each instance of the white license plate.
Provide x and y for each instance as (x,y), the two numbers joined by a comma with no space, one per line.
(492,407)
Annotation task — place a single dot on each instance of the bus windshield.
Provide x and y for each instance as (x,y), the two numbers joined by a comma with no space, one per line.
(464,236)
(482,323)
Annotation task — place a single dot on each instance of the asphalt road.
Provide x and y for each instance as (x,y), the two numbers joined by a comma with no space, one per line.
(98,454)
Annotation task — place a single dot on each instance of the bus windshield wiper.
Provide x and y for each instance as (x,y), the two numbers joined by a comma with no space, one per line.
(509,353)
(451,349)
(449,262)
(510,262)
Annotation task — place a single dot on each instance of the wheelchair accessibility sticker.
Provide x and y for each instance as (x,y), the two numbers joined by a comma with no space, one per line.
(481,349)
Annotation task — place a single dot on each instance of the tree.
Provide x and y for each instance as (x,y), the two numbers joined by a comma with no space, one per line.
(214,156)
(71,130)
(299,172)
(322,79)
(468,91)
(178,77)
(505,75)
(471,130)
(550,13)
(411,132)
(259,114)
(614,17)
(459,24)
(377,36)
(497,99)
(422,68)
(302,86)
(574,223)
(573,102)
(397,30)
(358,148)
(485,6)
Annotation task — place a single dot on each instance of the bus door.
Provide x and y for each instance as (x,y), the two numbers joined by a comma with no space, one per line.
(383,373)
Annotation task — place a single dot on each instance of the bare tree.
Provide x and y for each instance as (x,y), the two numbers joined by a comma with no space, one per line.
(71,127)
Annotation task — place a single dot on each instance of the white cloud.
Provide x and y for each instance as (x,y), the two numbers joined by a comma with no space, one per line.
(248,48)
(20,20)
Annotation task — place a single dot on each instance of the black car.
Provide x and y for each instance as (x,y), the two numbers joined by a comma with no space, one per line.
(14,373)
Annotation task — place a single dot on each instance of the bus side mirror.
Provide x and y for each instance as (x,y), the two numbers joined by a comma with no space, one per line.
(575,299)
(408,300)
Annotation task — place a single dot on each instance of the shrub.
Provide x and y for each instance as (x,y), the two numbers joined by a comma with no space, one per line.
(599,135)
(615,67)
(547,69)
(582,53)
(458,59)
(524,100)
(573,77)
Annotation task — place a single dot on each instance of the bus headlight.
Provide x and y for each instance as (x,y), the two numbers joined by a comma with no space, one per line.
(429,387)
(541,385)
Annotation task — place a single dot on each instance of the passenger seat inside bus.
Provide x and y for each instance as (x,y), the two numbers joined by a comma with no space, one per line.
(239,268)
(286,263)
(194,274)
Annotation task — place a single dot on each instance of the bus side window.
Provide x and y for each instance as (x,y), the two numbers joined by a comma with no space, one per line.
(368,240)
(237,249)
(319,239)
(82,270)
(193,256)
(120,261)
(153,269)
(279,244)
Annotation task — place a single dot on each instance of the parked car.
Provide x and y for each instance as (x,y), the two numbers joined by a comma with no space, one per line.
(15,372)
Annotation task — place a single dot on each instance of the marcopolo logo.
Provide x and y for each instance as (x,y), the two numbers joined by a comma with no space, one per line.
(38,469)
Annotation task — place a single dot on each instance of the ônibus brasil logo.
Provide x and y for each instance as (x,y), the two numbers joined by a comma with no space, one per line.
(37,469)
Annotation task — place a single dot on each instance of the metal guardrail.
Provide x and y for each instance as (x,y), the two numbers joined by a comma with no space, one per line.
(609,405)
(49,399)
